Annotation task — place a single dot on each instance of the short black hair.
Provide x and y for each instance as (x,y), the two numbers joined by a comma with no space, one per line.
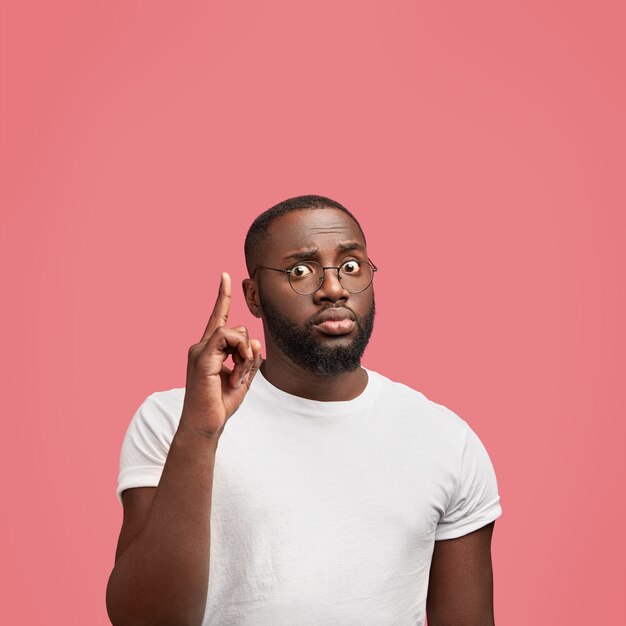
(258,230)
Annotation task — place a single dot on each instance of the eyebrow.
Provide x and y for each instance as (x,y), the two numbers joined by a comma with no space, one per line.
(307,253)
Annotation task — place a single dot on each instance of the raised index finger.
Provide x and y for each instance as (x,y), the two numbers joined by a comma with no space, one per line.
(219,316)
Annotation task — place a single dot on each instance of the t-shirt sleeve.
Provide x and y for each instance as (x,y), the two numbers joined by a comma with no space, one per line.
(475,501)
(147,442)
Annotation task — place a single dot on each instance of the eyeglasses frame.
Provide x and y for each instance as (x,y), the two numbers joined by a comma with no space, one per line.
(324,268)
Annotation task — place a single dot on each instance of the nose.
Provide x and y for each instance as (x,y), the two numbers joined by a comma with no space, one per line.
(331,287)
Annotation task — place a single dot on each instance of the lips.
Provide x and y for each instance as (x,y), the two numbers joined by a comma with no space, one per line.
(335,321)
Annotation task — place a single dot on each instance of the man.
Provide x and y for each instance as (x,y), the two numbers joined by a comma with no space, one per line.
(335,496)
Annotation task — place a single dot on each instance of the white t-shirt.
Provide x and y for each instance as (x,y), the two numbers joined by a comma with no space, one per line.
(326,513)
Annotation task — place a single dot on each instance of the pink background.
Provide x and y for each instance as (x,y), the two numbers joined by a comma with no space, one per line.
(482,146)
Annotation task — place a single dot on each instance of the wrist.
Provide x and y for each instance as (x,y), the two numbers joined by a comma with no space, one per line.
(187,435)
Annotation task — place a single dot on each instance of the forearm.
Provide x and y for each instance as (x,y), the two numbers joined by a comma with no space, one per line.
(162,576)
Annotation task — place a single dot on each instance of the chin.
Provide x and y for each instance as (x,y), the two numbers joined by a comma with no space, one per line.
(316,352)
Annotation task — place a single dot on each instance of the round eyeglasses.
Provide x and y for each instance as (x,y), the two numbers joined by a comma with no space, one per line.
(307,277)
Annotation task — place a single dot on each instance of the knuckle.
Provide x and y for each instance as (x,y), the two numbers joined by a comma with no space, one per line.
(220,318)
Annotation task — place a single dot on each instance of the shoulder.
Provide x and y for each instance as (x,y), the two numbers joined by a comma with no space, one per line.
(160,411)
(404,400)
(166,401)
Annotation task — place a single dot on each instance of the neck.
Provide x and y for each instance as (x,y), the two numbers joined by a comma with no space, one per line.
(289,377)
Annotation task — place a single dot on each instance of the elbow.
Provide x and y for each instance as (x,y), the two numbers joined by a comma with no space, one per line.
(118,614)
(132,607)
(446,620)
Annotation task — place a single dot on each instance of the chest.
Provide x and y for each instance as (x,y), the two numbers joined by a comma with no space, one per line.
(331,482)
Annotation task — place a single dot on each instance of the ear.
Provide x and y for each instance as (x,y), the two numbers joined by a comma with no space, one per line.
(251,294)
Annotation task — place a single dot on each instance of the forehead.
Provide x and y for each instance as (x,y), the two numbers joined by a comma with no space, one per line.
(327,231)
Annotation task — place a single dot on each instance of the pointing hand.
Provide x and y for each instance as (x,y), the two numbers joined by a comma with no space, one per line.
(213,391)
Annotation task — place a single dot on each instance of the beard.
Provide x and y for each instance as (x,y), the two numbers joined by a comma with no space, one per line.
(300,345)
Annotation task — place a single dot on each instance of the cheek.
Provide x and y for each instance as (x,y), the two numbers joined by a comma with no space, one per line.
(299,312)
(289,306)
(276,295)
(363,304)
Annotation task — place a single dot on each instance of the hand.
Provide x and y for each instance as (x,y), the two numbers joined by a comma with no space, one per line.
(213,391)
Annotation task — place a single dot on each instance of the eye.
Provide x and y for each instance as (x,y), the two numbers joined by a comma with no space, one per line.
(351,267)
(300,271)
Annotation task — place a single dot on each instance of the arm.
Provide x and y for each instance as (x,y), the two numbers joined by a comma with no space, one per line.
(161,571)
(162,561)
(460,589)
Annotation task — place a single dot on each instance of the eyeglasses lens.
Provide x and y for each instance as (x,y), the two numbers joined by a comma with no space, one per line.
(307,278)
